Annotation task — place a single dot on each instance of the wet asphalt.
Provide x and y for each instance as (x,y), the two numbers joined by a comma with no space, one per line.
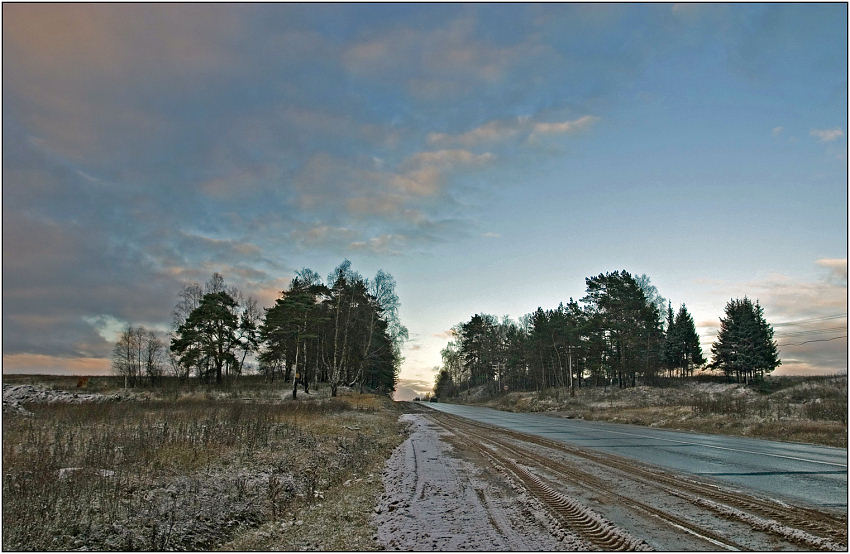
(804,474)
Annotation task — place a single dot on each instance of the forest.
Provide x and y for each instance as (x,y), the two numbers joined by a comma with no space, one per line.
(342,332)
(621,333)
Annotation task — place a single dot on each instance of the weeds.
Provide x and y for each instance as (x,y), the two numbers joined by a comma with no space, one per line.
(805,409)
(704,405)
(177,474)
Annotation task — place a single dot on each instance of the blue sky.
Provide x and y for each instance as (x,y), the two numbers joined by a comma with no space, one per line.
(488,156)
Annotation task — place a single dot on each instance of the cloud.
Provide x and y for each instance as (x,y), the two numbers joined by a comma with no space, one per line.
(560,127)
(684,8)
(330,181)
(806,311)
(78,71)
(408,389)
(827,135)
(791,299)
(386,210)
(826,357)
(448,334)
(435,62)
(82,255)
(423,173)
(837,268)
(501,130)
(777,131)
(492,131)
(803,312)
(388,244)
(41,364)
(491,235)
(321,235)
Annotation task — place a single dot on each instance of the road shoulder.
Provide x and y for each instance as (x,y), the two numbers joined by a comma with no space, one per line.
(436,499)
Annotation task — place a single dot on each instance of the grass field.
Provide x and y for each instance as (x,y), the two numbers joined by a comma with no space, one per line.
(799,409)
(194,468)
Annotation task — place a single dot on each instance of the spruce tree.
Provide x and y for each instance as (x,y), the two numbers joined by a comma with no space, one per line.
(688,350)
(670,348)
(745,347)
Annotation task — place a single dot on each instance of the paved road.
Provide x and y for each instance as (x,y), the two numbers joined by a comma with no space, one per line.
(800,473)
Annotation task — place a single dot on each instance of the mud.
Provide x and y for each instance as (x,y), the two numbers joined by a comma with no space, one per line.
(435,500)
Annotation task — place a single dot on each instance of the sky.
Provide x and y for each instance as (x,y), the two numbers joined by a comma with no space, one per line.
(489,157)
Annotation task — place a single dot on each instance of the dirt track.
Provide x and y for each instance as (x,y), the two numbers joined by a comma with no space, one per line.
(460,485)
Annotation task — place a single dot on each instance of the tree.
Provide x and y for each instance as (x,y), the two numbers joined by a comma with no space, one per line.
(478,343)
(248,334)
(453,361)
(345,281)
(350,332)
(208,339)
(443,384)
(630,324)
(242,344)
(384,307)
(124,359)
(668,354)
(154,354)
(682,350)
(289,326)
(745,347)
(138,353)
(650,291)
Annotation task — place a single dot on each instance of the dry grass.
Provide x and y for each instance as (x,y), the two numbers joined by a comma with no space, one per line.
(811,410)
(193,472)
(340,521)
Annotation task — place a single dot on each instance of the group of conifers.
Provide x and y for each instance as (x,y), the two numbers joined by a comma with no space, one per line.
(345,332)
(620,333)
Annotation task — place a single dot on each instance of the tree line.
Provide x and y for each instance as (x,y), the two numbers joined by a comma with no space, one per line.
(345,332)
(615,335)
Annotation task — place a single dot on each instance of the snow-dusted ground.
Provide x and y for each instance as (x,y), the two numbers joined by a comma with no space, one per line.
(434,500)
(15,397)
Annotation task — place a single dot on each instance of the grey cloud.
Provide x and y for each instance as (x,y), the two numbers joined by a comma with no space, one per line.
(55,276)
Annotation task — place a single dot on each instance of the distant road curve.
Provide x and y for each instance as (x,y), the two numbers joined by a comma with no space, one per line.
(799,473)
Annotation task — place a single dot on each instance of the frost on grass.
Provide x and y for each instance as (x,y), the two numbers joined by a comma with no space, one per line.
(189,474)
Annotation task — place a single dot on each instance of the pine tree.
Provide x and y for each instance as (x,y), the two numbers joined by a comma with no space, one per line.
(745,347)
(208,339)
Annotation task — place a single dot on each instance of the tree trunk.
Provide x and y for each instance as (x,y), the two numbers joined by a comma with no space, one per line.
(305,379)
(295,375)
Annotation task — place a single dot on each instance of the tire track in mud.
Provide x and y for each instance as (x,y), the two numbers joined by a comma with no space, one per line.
(581,519)
(591,482)
(436,500)
(587,524)
(800,525)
